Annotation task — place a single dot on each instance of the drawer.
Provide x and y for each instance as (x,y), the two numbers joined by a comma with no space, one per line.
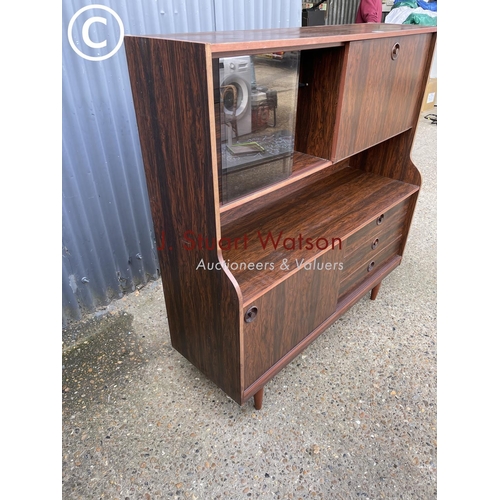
(369,267)
(369,240)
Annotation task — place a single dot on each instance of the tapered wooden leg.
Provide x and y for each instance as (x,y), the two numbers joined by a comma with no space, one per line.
(375,290)
(257,399)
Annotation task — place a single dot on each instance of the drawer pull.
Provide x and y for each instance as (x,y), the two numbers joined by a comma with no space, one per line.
(251,314)
(380,220)
(395,51)
(375,244)
(371,265)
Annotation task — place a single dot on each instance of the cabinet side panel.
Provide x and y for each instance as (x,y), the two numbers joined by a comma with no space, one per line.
(172,103)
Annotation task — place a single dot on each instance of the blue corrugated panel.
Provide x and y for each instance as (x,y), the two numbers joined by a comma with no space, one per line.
(108,243)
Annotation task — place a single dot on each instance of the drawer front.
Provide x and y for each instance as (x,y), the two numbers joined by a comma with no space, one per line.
(369,240)
(369,267)
(286,314)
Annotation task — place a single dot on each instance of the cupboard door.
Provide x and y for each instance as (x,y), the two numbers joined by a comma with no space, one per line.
(286,314)
(382,91)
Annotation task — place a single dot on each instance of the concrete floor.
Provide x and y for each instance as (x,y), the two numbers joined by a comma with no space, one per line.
(354,416)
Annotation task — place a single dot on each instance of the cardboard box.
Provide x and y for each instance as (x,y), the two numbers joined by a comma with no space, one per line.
(430,96)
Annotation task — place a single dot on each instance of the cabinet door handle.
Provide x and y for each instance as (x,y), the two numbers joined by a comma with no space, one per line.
(375,244)
(395,51)
(380,220)
(251,314)
(371,265)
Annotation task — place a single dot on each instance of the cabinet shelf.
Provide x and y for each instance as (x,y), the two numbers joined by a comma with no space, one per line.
(323,214)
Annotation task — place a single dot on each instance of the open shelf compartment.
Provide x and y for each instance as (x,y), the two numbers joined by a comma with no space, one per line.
(318,218)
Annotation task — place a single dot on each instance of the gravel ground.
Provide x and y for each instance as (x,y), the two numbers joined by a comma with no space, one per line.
(352,417)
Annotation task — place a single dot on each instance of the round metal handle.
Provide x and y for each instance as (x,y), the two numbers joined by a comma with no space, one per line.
(251,314)
(375,244)
(380,220)
(371,265)
(395,51)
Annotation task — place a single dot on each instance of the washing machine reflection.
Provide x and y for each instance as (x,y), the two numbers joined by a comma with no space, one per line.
(236,77)
(255,141)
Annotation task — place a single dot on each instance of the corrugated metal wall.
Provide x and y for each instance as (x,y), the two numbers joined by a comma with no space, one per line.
(108,245)
(341,11)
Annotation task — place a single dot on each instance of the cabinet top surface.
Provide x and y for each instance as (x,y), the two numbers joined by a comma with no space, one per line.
(222,41)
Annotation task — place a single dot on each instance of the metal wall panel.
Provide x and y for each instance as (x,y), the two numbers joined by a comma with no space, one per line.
(257,14)
(108,246)
(341,11)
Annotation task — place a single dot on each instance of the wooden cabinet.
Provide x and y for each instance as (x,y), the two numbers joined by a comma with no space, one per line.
(254,268)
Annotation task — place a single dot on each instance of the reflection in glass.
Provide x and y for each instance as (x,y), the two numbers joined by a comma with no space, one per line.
(257,106)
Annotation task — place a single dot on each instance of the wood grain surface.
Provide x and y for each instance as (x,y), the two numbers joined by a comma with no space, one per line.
(239,42)
(334,207)
(173,118)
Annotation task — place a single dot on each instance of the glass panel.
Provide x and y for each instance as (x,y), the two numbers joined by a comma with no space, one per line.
(257,97)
